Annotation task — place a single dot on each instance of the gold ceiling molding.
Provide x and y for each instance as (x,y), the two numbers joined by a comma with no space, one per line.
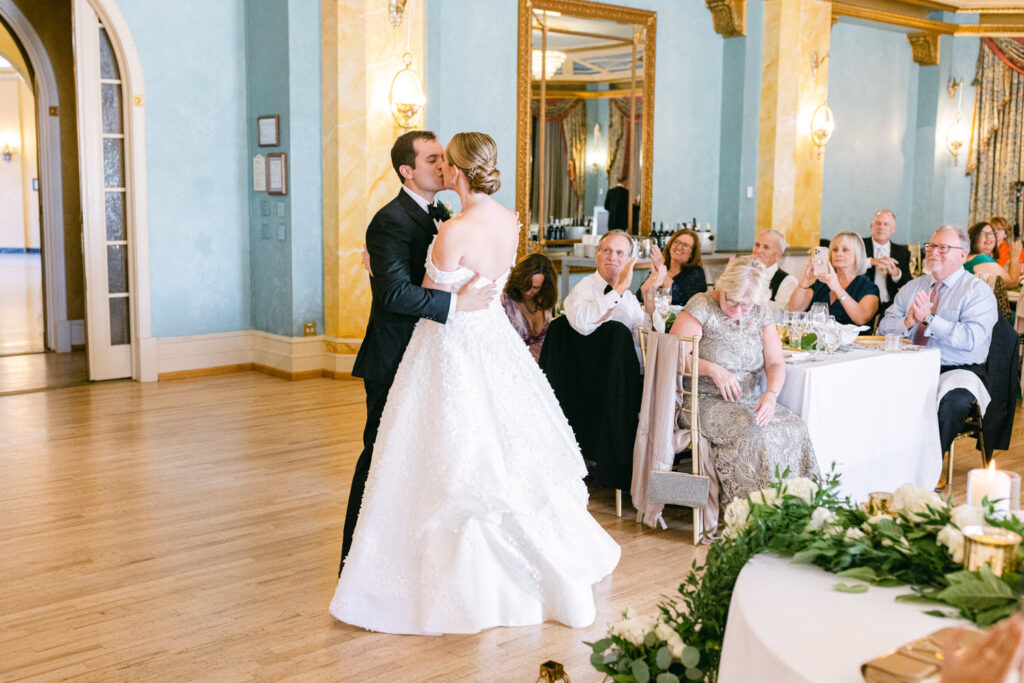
(925,48)
(728,16)
(856,11)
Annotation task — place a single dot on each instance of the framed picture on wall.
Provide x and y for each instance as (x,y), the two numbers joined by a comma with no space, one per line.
(268,131)
(277,173)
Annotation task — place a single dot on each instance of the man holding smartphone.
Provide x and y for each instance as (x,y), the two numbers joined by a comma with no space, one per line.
(888,262)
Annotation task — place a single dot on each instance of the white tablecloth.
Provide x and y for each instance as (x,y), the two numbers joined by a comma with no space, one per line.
(787,623)
(874,414)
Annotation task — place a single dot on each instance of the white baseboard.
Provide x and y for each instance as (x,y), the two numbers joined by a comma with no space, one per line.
(290,355)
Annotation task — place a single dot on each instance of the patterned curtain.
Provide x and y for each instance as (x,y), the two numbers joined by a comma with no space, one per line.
(566,121)
(995,159)
(621,137)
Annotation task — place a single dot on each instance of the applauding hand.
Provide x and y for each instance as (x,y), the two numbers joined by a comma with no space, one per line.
(625,277)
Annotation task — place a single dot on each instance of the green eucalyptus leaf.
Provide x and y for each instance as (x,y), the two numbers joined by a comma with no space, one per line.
(641,673)
(694,674)
(597,659)
(663,658)
(860,573)
(806,556)
(666,677)
(851,588)
(690,657)
(602,645)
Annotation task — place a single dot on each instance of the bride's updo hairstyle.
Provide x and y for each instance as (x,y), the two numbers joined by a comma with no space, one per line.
(476,155)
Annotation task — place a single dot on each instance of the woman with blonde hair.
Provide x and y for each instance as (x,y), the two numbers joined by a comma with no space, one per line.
(475,512)
(851,297)
(750,434)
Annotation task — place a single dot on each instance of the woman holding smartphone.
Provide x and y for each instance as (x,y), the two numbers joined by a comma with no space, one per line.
(839,282)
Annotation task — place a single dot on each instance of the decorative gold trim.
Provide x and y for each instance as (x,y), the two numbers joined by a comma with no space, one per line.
(729,17)
(925,48)
(342,348)
(928,25)
(590,10)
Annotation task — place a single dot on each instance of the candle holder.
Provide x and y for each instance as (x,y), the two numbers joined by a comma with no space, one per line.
(551,672)
(879,503)
(991,545)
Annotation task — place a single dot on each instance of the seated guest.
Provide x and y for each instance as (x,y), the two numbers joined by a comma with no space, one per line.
(530,296)
(851,297)
(951,311)
(604,295)
(981,262)
(1002,250)
(750,435)
(685,276)
(888,262)
(769,247)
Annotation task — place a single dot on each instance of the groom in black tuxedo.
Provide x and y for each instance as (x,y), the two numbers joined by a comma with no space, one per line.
(397,241)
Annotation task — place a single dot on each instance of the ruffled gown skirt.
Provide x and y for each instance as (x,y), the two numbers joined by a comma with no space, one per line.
(475,512)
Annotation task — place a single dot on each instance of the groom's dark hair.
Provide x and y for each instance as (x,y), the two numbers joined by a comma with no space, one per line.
(403,153)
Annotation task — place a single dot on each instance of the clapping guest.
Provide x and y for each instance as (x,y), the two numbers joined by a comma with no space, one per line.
(750,435)
(981,260)
(685,269)
(530,296)
(851,297)
(769,246)
(1002,250)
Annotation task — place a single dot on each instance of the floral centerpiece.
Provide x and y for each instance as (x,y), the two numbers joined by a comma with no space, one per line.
(918,542)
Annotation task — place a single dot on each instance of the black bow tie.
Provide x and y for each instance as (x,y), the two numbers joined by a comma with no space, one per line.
(607,288)
(437,212)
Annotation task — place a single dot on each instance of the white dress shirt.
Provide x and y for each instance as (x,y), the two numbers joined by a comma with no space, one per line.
(786,288)
(424,204)
(587,306)
(882,251)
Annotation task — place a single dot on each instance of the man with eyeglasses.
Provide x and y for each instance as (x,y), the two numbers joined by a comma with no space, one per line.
(605,295)
(951,310)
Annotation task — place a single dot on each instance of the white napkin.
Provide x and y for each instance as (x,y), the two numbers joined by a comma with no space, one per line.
(964,379)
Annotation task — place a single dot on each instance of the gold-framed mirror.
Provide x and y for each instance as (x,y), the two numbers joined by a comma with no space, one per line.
(581,63)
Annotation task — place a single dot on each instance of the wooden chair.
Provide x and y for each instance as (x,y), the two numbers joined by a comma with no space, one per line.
(676,486)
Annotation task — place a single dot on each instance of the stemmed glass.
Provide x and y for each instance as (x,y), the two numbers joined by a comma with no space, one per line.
(797,328)
(830,336)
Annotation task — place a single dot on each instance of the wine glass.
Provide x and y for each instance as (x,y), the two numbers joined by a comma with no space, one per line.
(662,299)
(819,311)
(830,337)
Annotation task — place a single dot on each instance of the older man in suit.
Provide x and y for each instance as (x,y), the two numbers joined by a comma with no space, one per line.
(396,242)
(888,262)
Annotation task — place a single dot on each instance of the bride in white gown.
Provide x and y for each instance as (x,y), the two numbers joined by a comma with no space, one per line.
(475,512)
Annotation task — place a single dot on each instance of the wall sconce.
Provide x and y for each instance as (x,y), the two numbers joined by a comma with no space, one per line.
(956,138)
(822,125)
(553,60)
(406,95)
(8,153)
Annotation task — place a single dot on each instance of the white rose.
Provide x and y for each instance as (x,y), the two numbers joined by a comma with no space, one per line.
(801,487)
(821,517)
(912,501)
(853,534)
(634,630)
(737,515)
(952,538)
(675,645)
(967,515)
(764,497)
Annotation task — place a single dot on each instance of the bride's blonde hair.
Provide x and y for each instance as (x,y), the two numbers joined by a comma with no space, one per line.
(476,155)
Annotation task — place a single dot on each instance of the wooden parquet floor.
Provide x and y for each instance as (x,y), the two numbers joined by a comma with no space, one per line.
(190,531)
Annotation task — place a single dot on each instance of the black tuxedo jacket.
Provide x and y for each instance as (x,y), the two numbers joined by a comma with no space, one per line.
(397,240)
(901,253)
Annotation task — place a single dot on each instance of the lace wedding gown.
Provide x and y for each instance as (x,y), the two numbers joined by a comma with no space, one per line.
(475,510)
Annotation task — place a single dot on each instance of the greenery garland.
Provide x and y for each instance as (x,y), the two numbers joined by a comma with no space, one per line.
(918,543)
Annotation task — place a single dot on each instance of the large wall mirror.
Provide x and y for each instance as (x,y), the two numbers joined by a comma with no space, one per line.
(585,121)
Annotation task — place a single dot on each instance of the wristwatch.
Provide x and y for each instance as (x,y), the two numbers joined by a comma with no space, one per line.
(929,318)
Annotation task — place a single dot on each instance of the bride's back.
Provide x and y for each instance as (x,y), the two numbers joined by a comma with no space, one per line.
(484,238)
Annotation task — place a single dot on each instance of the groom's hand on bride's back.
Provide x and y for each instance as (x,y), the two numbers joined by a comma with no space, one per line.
(474,298)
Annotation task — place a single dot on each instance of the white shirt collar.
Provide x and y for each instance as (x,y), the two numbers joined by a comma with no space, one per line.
(877,246)
(419,200)
(772,268)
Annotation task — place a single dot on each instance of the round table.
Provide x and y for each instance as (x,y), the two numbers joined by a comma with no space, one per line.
(787,623)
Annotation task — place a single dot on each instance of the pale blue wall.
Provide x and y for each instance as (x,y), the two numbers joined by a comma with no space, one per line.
(192,54)
(471,85)
(869,162)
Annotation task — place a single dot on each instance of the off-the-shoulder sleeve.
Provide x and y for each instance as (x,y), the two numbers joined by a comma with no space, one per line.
(441,277)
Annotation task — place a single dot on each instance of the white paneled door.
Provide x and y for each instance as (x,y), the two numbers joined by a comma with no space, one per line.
(106,233)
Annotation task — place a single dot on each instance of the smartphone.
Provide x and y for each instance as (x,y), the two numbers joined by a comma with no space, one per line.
(820,260)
